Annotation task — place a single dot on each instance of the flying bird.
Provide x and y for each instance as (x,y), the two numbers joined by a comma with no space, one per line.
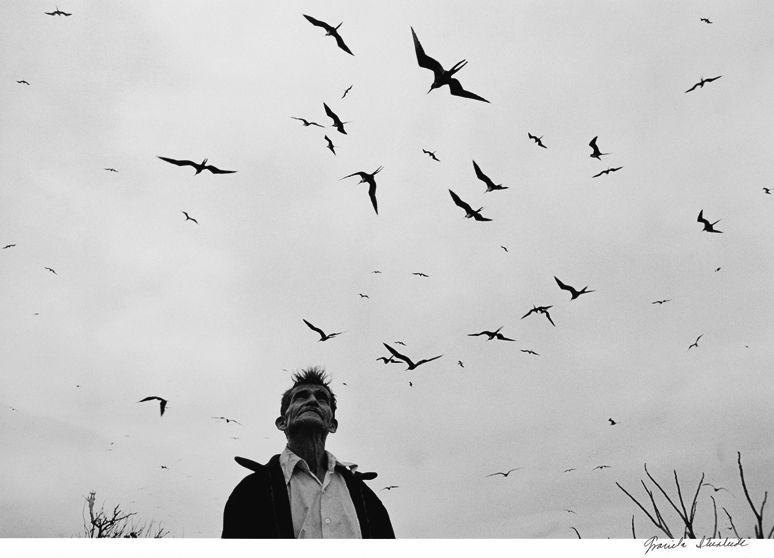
(23,81)
(504,248)
(492,335)
(486,180)
(767,190)
(376,271)
(363,295)
(705,20)
(595,153)
(569,470)
(161,400)
(346,91)
(601,467)
(695,343)
(388,360)
(228,420)
(323,336)
(189,218)
(306,123)
(460,363)
(662,301)
(330,145)
(51,270)
(717,269)
(540,310)
(420,274)
(715,488)
(431,154)
(411,365)
(536,139)
(709,227)
(337,123)
(110,169)
(330,32)
(701,83)
(58,12)
(8,246)
(569,510)
(400,343)
(198,166)
(390,487)
(369,178)
(508,472)
(574,293)
(469,211)
(530,351)
(607,171)
(442,77)
(612,422)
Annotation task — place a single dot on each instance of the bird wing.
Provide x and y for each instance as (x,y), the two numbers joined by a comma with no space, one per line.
(427,360)
(360,174)
(319,23)
(528,313)
(562,285)
(458,201)
(396,354)
(481,176)
(342,46)
(498,473)
(478,217)
(549,317)
(316,329)
(692,88)
(162,405)
(372,195)
(423,59)
(178,162)
(216,170)
(331,114)
(502,337)
(150,398)
(475,334)
(713,79)
(456,89)
(600,173)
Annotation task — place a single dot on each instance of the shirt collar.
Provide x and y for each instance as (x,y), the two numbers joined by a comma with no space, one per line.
(289,461)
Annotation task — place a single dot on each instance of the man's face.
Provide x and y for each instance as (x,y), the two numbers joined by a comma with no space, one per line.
(309,408)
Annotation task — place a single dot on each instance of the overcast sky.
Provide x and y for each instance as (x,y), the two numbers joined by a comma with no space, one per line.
(209,315)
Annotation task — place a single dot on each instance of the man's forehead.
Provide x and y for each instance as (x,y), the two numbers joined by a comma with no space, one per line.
(316,388)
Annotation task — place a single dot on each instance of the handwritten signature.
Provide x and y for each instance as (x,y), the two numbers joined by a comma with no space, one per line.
(654,544)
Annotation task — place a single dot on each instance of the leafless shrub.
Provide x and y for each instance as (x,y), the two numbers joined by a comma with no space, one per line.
(117,523)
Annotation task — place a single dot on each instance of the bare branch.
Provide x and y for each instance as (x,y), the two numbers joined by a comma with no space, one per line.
(758,515)
(634,533)
(660,523)
(715,510)
(731,520)
(576,531)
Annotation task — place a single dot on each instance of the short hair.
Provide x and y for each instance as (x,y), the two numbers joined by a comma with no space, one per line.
(314,375)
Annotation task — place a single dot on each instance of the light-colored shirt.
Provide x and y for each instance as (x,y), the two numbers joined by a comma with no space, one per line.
(320,510)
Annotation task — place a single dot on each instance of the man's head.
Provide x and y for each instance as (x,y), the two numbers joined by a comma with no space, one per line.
(309,403)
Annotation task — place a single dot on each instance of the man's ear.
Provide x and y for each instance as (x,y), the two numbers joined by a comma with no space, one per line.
(280,423)
(334,425)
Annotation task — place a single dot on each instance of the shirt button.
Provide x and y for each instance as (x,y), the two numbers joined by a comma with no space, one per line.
(327,520)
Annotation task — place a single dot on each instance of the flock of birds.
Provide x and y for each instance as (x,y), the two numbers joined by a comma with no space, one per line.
(441,77)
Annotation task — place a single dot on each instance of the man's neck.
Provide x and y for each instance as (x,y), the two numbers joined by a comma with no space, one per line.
(312,450)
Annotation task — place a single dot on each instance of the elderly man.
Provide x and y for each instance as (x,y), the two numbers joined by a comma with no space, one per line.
(305,492)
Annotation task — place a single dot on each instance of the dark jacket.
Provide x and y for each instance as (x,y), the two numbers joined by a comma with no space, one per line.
(259,507)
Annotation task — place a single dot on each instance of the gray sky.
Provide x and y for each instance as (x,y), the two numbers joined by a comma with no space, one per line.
(209,316)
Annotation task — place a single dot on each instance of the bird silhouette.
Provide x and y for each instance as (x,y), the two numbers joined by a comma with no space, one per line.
(198,166)
(492,335)
(369,178)
(363,295)
(705,20)
(504,248)
(51,270)
(376,271)
(420,274)
(323,336)
(702,81)
(58,12)
(228,420)
(767,190)
(411,364)
(330,145)
(400,343)
(486,180)
(460,363)
(189,218)
(715,488)
(337,123)
(442,77)
(540,310)
(695,343)
(306,123)
(612,422)
(607,171)
(595,153)
(662,301)
(110,169)
(388,360)
(390,487)
(23,81)
(530,351)
(601,467)
(346,91)
(8,246)
(161,400)
(330,31)
(469,211)
(431,154)
(571,469)
(574,293)
(709,227)
(536,139)
(717,269)
(569,510)
(505,474)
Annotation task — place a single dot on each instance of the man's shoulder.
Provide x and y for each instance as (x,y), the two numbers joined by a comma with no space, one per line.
(254,465)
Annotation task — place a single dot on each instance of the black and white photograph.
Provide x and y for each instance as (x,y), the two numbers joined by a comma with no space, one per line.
(493,271)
